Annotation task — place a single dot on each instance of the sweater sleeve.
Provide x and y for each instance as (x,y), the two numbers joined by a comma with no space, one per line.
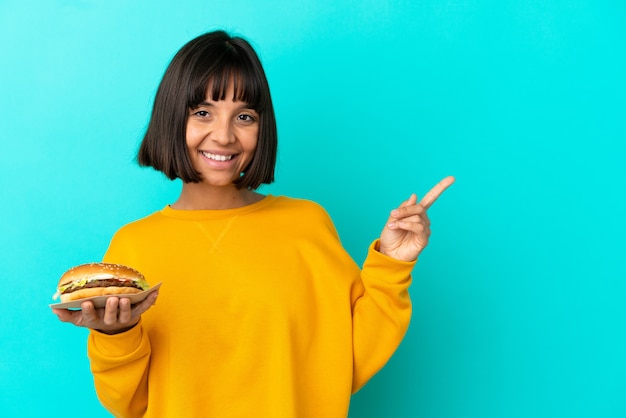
(119,364)
(381,313)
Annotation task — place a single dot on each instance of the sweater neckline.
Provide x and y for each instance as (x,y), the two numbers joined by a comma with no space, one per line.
(204,214)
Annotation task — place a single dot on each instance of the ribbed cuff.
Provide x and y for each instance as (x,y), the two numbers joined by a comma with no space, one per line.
(117,345)
(387,268)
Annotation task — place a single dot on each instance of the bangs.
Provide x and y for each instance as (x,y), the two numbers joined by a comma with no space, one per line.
(218,78)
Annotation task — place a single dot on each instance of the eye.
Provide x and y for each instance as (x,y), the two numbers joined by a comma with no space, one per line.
(246,117)
(201,113)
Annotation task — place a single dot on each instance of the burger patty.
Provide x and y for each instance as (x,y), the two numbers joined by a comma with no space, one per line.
(104,283)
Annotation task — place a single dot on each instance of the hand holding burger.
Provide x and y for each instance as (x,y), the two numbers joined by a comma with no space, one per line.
(101,279)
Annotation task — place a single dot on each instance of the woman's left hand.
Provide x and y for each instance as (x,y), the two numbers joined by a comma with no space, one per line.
(408,227)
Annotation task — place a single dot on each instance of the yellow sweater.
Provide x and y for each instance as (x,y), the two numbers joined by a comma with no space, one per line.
(262,313)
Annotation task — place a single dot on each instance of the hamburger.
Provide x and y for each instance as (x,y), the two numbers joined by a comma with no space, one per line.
(99,279)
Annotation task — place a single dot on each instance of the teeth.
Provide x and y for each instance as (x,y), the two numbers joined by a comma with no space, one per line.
(217,157)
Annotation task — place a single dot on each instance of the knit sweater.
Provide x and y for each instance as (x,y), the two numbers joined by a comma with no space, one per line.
(261,313)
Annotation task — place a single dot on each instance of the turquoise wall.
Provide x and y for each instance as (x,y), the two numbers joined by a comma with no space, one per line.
(519,300)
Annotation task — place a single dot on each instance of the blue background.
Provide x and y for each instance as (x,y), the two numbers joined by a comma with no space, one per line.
(519,299)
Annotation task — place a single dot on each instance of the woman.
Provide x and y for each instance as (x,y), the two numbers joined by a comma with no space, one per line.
(262,312)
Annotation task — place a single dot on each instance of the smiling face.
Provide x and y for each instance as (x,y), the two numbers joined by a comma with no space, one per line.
(221,138)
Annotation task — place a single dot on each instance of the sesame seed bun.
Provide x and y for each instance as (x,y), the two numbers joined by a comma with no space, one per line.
(99,279)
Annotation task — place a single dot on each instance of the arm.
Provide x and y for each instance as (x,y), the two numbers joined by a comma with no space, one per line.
(120,364)
(382,309)
(380,314)
(119,351)
(118,345)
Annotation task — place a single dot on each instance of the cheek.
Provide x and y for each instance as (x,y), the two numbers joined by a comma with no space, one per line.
(251,141)
(192,136)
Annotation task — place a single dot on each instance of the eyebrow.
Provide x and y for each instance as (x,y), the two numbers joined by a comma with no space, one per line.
(245,106)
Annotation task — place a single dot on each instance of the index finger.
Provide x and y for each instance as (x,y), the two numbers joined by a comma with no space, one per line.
(434,193)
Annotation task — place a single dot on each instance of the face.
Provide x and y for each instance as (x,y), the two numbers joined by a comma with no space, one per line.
(221,138)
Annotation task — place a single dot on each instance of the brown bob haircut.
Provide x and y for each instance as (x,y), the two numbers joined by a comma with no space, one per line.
(214,59)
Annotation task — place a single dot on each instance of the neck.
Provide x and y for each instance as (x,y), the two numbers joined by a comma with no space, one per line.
(198,196)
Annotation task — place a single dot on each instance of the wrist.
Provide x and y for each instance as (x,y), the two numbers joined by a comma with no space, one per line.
(117,330)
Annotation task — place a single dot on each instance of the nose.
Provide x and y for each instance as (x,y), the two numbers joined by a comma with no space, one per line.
(222,132)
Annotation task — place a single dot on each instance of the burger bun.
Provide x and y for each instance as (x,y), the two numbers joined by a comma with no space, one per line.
(107,272)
